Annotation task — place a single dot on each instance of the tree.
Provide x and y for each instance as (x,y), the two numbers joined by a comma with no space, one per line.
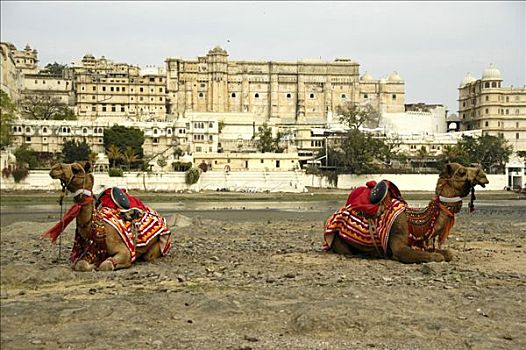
(265,141)
(25,155)
(491,152)
(46,107)
(7,116)
(355,116)
(522,154)
(73,151)
(54,69)
(129,155)
(114,154)
(123,137)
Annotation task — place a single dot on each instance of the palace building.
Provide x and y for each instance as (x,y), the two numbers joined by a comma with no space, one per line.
(495,109)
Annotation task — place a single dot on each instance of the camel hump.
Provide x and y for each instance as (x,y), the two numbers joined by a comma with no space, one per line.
(120,198)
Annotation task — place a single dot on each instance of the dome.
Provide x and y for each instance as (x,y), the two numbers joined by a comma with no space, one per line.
(366,77)
(218,51)
(394,77)
(491,73)
(468,79)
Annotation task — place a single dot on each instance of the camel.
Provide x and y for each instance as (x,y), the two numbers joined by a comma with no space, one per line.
(393,230)
(98,245)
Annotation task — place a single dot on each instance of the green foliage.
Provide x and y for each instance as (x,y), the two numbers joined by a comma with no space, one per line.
(192,176)
(25,155)
(491,152)
(161,162)
(181,166)
(178,152)
(54,69)
(354,116)
(129,141)
(522,154)
(115,172)
(20,173)
(266,143)
(7,116)
(73,151)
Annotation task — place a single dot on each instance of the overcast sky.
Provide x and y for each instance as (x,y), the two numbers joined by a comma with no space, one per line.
(432,45)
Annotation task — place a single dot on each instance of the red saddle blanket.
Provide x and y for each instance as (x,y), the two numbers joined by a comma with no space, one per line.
(148,227)
(353,226)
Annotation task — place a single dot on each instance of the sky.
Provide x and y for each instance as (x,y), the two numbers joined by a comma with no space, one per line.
(432,45)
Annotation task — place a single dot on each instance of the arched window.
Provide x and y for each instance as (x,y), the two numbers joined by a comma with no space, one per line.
(493,84)
(289,96)
(311,95)
(28,129)
(233,94)
(84,131)
(256,95)
(486,85)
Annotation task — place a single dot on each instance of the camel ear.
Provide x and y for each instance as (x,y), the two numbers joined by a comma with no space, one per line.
(87,166)
(448,171)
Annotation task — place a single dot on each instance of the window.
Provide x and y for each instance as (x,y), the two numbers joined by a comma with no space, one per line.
(160,89)
(289,95)
(82,88)
(201,95)
(487,111)
(486,123)
(155,141)
(122,108)
(493,84)
(28,129)
(507,99)
(311,95)
(113,108)
(394,97)
(210,124)
(104,108)
(111,88)
(487,98)
(84,130)
(94,88)
(233,94)
(123,89)
(141,90)
(198,149)
(486,85)
(117,88)
(517,111)
(93,97)
(277,163)
(507,111)
(44,130)
(93,108)
(210,138)
(365,96)
(344,96)
(516,136)
(103,88)
(262,161)
(28,139)
(256,95)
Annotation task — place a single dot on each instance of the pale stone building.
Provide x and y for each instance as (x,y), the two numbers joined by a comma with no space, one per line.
(11,78)
(248,161)
(282,92)
(49,86)
(495,109)
(106,89)
(25,60)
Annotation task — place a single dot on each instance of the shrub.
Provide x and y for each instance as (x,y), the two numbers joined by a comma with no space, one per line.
(20,173)
(115,172)
(182,166)
(192,176)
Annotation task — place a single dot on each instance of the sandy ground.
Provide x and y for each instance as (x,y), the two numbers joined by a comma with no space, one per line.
(263,283)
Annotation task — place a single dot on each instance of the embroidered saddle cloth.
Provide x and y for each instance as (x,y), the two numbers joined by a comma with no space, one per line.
(353,226)
(148,227)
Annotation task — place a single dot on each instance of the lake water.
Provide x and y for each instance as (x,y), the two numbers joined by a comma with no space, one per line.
(242,210)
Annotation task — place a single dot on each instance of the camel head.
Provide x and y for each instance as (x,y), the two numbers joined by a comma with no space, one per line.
(461,179)
(74,176)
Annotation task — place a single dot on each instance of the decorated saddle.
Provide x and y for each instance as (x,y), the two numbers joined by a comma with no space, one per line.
(367,217)
(113,203)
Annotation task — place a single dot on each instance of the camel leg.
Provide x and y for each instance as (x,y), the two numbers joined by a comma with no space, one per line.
(83,266)
(448,255)
(339,246)
(403,252)
(120,260)
(119,255)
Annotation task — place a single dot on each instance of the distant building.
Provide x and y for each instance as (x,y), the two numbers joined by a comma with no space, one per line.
(107,89)
(11,78)
(497,110)
(283,92)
